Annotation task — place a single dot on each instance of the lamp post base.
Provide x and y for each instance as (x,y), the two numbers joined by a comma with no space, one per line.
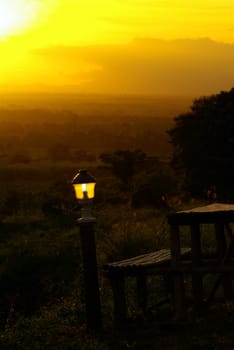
(86,216)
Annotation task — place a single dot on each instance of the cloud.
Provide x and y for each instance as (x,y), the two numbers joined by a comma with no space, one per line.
(146,65)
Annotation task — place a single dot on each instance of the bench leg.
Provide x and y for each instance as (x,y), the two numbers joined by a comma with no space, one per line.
(179,297)
(120,308)
(227,287)
(224,254)
(178,277)
(142,291)
(169,286)
(197,278)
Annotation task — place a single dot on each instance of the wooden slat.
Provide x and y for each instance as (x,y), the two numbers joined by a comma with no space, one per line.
(213,213)
(178,277)
(151,259)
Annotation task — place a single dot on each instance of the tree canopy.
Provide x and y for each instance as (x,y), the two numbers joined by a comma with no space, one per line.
(124,164)
(203,141)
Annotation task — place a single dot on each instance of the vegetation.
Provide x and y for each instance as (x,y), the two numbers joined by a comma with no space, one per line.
(41,284)
(125,164)
(41,293)
(204,145)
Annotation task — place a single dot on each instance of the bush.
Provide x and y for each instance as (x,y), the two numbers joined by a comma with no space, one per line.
(151,189)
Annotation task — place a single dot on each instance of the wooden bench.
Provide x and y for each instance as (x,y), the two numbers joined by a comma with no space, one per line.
(141,266)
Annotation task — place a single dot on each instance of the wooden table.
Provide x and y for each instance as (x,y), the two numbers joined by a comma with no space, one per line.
(220,216)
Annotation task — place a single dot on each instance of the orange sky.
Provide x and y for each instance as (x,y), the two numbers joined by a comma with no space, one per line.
(117,46)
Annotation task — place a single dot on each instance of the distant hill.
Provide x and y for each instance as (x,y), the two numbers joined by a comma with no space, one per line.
(29,106)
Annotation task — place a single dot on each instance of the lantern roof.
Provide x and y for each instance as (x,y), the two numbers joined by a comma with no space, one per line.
(83,177)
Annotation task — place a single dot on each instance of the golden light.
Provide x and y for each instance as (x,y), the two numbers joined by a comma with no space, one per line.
(16,16)
(84,185)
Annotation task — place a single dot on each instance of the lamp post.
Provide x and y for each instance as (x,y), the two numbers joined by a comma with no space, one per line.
(84,186)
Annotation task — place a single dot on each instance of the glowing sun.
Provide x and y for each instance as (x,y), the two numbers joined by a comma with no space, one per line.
(16,15)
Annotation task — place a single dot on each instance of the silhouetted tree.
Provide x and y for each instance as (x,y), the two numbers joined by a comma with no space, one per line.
(203,141)
(124,164)
(154,190)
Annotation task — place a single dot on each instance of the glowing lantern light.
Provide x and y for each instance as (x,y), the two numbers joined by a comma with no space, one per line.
(84,185)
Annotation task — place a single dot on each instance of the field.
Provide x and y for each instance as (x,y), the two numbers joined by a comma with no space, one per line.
(41,286)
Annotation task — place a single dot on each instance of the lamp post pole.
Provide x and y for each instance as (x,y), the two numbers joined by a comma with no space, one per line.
(91,285)
(84,185)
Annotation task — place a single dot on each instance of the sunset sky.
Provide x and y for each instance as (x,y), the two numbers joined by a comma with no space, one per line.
(117,46)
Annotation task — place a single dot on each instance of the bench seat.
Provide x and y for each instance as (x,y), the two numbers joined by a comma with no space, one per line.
(155,263)
(144,261)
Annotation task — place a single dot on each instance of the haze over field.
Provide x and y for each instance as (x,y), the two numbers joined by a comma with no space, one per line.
(117,46)
(47,106)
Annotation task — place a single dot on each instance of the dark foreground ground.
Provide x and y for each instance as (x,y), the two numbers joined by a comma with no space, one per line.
(212,330)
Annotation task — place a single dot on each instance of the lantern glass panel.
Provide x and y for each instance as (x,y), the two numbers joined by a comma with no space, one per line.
(85,191)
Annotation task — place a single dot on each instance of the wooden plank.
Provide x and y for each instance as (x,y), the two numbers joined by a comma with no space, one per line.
(209,268)
(224,254)
(220,240)
(197,281)
(178,276)
(120,306)
(213,213)
(150,259)
(221,249)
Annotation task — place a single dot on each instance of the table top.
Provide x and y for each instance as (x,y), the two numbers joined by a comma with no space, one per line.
(211,213)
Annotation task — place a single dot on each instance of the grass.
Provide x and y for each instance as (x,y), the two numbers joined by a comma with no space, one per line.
(41,285)
(61,327)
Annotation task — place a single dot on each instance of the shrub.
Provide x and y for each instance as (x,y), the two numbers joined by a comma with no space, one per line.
(149,192)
